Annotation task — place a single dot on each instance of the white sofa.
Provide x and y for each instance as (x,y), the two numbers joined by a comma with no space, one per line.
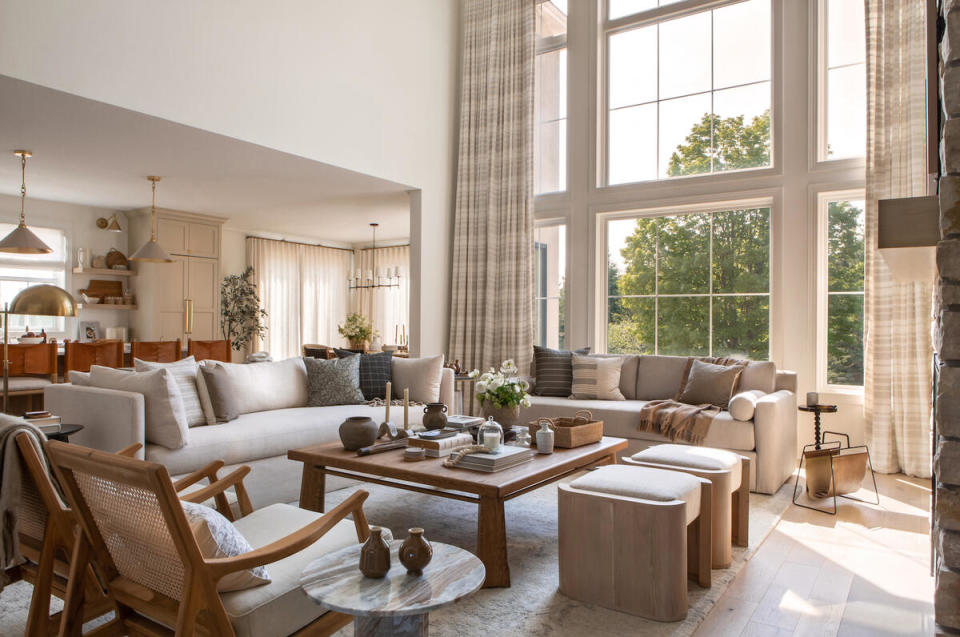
(769,440)
(114,419)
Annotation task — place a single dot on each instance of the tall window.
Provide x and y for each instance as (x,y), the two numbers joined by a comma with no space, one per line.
(550,134)
(841,299)
(19,271)
(687,94)
(690,284)
(550,259)
(842,80)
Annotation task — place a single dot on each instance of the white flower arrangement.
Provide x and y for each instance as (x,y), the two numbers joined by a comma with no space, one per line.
(501,387)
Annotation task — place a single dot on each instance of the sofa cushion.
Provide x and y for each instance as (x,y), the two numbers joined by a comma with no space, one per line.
(333,382)
(596,378)
(554,370)
(658,377)
(644,483)
(710,384)
(759,375)
(165,419)
(281,607)
(266,386)
(422,376)
(185,373)
(375,371)
(628,373)
(221,392)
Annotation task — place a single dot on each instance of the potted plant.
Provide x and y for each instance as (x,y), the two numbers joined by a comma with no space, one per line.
(241,317)
(501,393)
(357,329)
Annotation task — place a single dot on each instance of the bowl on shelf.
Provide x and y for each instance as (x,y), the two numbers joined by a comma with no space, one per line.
(30,340)
(91,300)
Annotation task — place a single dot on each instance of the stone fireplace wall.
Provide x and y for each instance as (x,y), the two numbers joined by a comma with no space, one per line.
(946,516)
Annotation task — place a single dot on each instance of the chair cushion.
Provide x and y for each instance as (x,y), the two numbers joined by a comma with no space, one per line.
(704,458)
(644,483)
(759,375)
(28,383)
(281,607)
(658,377)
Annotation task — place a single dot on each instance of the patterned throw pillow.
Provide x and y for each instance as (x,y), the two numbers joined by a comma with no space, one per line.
(554,369)
(217,537)
(185,373)
(374,372)
(596,378)
(333,382)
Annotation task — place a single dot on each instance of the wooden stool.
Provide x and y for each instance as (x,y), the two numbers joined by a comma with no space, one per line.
(729,474)
(630,537)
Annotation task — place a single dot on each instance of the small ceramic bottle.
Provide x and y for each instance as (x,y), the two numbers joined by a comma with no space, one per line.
(375,555)
(415,552)
(545,438)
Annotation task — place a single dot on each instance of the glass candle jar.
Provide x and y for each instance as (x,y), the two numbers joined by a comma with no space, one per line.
(490,435)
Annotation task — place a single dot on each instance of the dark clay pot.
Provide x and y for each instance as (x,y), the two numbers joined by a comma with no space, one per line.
(415,552)
(435,416)
(375,555)
(358,431)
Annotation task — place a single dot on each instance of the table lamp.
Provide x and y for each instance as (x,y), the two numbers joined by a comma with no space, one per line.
(36,300)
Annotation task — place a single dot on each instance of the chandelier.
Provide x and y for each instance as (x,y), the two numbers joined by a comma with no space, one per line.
(375,277)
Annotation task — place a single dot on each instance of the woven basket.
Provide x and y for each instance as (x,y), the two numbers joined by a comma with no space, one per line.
(580,430)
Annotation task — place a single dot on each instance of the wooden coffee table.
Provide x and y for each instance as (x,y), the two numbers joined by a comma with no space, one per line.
(488,490)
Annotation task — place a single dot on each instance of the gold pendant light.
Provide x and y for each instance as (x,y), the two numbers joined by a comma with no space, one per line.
(21,240)
(151,250)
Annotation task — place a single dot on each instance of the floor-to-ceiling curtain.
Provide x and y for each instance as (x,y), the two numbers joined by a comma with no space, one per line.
(388,308)
(898,314)
(491,314)
(303,288)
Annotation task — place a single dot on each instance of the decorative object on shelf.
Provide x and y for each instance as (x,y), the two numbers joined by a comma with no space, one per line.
(36,300)
(375,555)
(116,260)
(375,278)
(357,329)
(490,435)
(90,300)
(580,430)
(89,331)
(98,262)
(813,398)
(151,250)
(117,334)
(241,317)
(501,393)
(545,437)
(110,225)
(435,416)
(21,240)
(81,258)
(415,552)
(357,432)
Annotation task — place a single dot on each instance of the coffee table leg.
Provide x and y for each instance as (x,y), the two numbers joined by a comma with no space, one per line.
(312,488)
(404,626)
(492,542)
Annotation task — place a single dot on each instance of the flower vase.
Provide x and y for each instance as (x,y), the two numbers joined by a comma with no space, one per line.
(506,416)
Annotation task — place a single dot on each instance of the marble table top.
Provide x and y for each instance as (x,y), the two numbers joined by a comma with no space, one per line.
(334,581)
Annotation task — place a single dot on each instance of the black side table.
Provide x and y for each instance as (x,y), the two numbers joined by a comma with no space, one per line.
(65,432)
(817,410)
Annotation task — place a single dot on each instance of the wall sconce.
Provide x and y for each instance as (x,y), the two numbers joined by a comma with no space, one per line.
(110,225)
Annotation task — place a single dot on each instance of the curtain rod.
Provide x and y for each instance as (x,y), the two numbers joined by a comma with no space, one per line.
(319,245)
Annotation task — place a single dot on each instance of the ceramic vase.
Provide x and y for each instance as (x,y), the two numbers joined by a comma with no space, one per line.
(375,555)
(435,416)
(506,416)
(545,439)
(358,431)
(415,552)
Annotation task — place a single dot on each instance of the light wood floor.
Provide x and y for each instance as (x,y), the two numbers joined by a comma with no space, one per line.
(864,572)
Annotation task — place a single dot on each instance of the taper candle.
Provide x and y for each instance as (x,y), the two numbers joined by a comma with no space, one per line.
(388,395)
(406,408)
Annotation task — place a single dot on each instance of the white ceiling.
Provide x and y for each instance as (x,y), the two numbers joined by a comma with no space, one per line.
(91,153)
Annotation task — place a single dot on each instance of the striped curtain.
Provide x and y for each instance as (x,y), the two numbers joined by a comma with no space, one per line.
(897,405)
(491,317)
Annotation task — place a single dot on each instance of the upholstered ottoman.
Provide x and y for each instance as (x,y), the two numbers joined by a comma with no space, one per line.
(729,474)
(629,537)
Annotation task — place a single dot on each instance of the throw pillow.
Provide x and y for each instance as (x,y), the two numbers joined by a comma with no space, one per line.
(166,420)
(185,373)
(422,376)
(221,391)
(267,386)
(375,371)
(80,379)
(554,370)
(217,537)
(709,384)
(596,378)
(743,405)
(333,382)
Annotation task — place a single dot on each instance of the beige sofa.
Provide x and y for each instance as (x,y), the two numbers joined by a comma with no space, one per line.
(769,439)
(114,419)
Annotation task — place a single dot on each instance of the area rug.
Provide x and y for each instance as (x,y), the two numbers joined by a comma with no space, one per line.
(532,605)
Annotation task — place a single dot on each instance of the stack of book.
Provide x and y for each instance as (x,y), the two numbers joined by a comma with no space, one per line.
(44,421)
(504,458)
(463,423)
(442,447)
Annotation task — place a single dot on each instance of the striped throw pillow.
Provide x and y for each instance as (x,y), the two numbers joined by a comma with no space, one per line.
(554,369)
(596,378)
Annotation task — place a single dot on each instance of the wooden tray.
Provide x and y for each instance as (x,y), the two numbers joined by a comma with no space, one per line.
(580,430)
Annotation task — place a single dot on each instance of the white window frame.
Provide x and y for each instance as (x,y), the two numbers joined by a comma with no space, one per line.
(653,16)
(549,45)
(602,306)
(547,223)
(824,198)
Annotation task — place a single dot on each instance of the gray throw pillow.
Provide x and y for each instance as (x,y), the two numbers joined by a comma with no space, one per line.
(220,388)
(333,382)
(554,369)
(710,384)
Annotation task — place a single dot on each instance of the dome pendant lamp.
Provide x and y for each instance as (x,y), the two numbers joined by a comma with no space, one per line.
(21,240)
(151,250)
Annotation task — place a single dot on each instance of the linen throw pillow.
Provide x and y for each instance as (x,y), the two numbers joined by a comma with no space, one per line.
(185,373)
(166,420)
(596,378)
(267,386)
(422,376)
(709,384)
(743,405)
(554,370)
(216,537)
(221,390)
(333,382)
(375,371)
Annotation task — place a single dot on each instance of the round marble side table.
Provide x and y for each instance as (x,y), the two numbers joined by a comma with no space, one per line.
(397,604)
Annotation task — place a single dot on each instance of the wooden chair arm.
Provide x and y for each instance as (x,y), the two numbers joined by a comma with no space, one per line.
(287,546)
(209,472)
(218,486)
(130,451)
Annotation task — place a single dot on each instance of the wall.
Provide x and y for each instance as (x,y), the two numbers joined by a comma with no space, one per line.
(370,86)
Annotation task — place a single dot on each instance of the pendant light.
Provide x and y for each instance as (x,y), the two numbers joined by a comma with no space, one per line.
(151,250)
(21,240)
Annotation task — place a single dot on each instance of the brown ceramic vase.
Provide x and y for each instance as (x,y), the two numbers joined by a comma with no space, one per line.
(415,552)
(375,555)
